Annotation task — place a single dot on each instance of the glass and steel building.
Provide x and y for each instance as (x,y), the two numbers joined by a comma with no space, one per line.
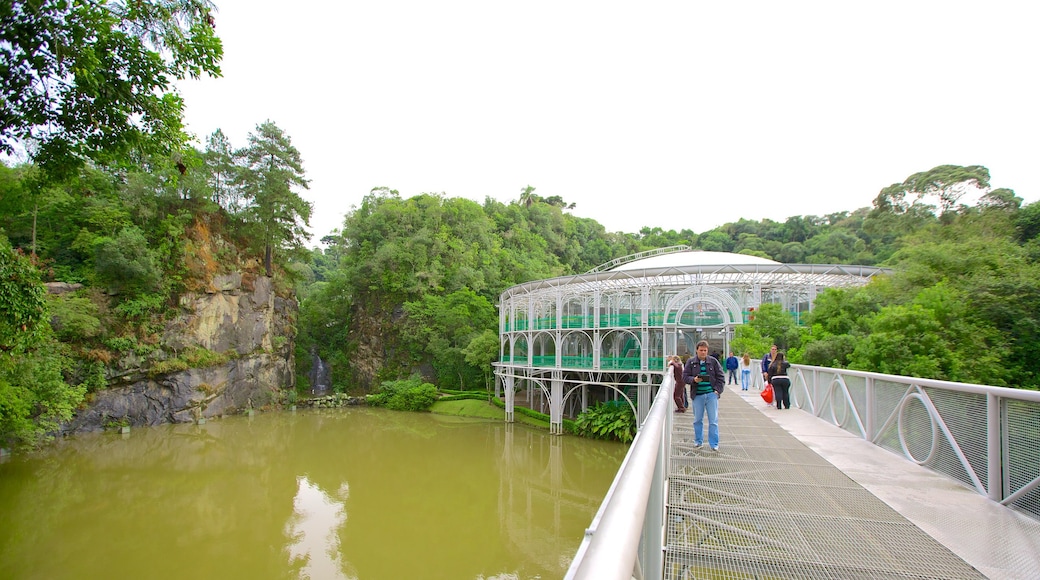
(605,334)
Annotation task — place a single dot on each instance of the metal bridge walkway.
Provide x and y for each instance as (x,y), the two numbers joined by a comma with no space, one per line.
(766,505)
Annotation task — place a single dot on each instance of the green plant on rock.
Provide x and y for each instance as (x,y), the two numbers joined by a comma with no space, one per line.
(609,420)
(192,358)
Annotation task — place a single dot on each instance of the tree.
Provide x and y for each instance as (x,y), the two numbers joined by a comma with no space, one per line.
(947,183)
(94,80)
(274,168)
(528,197)
(481,352)
(222,172)
(445,328)
(776,325)
(125,263)
(33,396)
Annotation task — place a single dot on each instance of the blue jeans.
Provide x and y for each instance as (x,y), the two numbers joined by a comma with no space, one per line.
(745,379)
(707,402)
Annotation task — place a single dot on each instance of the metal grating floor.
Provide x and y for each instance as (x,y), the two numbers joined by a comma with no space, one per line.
(767,506)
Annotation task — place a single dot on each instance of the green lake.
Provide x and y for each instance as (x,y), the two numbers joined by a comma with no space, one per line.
(354,493)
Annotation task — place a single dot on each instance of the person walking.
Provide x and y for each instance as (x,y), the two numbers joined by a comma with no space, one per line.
(707,381)
(767,359)
(745,372)
(731,369)
(777,376)
(679,392)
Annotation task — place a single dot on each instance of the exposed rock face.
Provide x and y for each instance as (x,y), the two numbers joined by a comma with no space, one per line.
(240,318)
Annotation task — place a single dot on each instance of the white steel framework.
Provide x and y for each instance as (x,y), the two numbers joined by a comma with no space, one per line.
(605,334)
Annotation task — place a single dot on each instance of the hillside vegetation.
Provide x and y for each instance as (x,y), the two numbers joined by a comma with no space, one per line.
(410,285)
(122,218)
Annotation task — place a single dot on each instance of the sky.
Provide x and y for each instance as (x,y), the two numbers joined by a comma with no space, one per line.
(672,115)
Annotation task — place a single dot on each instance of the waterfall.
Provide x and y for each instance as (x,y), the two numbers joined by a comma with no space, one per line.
(319,375)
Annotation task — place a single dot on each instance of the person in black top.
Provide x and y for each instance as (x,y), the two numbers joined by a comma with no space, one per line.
(777,376)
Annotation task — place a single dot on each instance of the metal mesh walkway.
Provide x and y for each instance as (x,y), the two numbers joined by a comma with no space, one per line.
(767,506)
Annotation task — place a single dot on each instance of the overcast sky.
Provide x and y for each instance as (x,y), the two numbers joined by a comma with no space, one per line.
(637,112)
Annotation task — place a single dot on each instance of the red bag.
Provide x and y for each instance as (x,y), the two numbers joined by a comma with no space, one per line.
(767,394)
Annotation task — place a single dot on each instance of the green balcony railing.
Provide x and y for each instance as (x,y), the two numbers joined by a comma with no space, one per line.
(585,362)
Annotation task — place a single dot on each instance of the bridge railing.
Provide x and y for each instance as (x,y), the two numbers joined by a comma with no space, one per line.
(987,438)
(626,537)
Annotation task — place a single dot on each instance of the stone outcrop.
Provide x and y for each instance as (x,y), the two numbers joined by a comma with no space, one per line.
(239,317)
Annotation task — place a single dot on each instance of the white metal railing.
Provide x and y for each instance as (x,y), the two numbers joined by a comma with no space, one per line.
(987,438)
(626,537)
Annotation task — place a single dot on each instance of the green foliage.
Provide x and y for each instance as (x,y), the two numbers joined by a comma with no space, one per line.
(74,318)
(465,395)
(481,352)
(273,168)
(141,309)
(95,80)
(191,358)
(125,263)
(609,420)
(23,306)
(771,325)
(94,377)
(34,397)
(444,327)
(405,395)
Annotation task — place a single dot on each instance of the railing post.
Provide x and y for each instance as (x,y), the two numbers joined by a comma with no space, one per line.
(869,411)
(994,437)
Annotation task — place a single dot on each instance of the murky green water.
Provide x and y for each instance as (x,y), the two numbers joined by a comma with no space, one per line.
(353,493)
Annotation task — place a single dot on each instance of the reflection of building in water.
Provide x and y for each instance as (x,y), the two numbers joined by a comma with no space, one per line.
(541,509)
(576,340)
(313,532)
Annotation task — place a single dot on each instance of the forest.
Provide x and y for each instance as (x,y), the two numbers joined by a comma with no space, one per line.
(103,192)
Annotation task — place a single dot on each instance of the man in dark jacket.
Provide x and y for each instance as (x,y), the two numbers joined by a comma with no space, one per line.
(707,381)
(731,369)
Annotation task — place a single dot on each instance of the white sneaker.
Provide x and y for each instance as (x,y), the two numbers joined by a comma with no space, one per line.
(714,448)
(698,445)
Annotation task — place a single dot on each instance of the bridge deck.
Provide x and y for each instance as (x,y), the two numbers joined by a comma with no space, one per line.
(825,504)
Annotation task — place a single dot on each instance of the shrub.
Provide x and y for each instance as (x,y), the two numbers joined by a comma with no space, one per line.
(74,318)
(192,358)
(459,396)
(404,395)
(610,420)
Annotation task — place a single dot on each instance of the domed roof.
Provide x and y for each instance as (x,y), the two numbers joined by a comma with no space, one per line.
(693,258)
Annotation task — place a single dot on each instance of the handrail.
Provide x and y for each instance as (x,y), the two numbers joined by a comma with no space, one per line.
(997,460)
(630,520)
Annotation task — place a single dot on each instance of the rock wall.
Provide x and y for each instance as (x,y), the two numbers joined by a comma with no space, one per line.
(240,317)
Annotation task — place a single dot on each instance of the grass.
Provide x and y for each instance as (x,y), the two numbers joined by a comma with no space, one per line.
(481,410)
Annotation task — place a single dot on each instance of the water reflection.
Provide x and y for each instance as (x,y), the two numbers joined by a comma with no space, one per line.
(313,531)
(428,497)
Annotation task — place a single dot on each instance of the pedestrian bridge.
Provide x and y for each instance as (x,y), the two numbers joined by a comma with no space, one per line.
(870,476)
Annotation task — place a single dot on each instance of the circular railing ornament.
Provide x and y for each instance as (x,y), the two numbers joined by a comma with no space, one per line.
(903,405)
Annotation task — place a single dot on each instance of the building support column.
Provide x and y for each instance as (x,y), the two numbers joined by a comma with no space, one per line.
(510,392)
(556,404)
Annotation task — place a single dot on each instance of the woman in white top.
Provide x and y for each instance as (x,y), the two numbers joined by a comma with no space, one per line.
(745,372)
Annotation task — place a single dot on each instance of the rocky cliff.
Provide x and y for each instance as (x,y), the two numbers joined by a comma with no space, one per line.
(246,328)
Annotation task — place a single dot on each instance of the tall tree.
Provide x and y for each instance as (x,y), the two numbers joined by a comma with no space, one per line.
(274,168)
(222,172)
(94,80)
(947,183)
